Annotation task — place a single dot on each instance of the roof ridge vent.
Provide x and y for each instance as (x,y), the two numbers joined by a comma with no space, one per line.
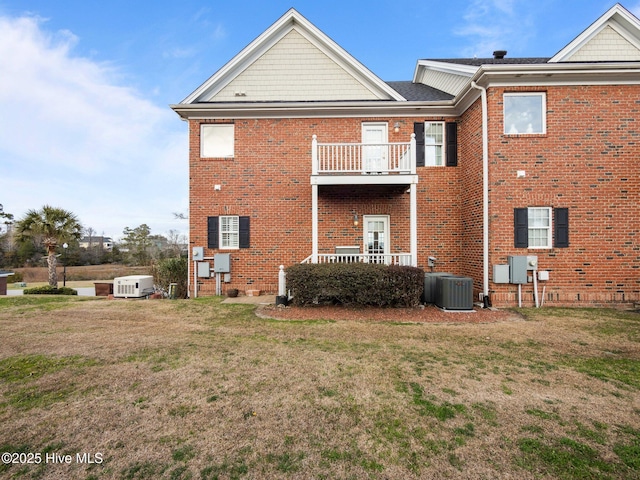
(499,54)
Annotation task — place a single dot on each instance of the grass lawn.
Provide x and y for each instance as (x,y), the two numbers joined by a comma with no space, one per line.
(203,390)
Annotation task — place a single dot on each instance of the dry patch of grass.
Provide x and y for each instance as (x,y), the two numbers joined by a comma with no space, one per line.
(200,389)
(81,273)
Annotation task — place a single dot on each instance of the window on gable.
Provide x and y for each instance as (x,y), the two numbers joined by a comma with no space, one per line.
(525,113)
(433,143)
(229,232)
(217,141)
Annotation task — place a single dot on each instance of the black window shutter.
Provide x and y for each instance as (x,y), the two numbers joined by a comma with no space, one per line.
(520,227)
(418,129)
(561,223)
(212,232)
(451,134)
(243,230)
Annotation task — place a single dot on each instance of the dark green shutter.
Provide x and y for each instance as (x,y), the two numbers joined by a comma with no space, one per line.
(243,231)
(561,227)
(418,129)
(212,232)
(520,227)
(451,138)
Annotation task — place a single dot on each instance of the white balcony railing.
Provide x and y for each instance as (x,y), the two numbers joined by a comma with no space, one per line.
(388,259)
(363,158)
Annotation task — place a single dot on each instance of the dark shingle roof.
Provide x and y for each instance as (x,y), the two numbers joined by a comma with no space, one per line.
(476,62)
(419,92)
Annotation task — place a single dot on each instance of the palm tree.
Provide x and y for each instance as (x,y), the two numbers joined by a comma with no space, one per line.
(52,226)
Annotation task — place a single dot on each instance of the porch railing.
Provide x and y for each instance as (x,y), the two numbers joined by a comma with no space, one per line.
(388,259)
(363,158)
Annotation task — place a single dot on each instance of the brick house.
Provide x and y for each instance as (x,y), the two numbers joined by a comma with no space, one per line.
(298,152)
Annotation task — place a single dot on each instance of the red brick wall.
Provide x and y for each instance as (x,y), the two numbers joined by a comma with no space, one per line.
(338,204)
(587,162)
(269,180)
(470,165)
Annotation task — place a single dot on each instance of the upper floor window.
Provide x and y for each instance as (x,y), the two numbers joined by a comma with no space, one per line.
(216,141)
(433,143)
(436,143)
(525,113)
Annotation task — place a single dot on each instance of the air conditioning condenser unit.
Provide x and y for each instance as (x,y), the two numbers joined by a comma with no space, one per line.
(454,293)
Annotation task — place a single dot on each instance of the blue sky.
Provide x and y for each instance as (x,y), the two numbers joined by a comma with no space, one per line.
(85,86)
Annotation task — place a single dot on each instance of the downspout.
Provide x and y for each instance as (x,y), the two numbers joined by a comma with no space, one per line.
(485,192)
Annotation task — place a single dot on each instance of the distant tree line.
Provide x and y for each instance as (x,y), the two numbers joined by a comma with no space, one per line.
(37,239)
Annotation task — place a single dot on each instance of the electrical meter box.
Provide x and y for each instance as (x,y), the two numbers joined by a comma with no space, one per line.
(518,265)
(197,253)
(501,274)
(222,263)
(204,270)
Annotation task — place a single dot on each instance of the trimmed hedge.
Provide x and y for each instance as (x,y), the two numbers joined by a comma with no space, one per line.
(366,284)
(49,290)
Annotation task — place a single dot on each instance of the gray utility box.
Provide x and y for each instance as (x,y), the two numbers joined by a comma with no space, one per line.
(429,293)
(454,293)
(501,274)
(222,263)
(204,269)
(517,268)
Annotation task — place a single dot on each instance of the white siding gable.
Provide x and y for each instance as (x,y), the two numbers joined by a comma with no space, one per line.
(607,45)
(292,61)
(445,76)
(447,82)
(615,36)
(294,70)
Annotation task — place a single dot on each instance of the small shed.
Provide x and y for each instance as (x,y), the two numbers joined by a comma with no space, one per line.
(3,281)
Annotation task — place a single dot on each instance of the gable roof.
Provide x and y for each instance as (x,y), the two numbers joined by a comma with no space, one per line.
(615,36)
(612,38)
(283,55)
(477,62)
(419,92)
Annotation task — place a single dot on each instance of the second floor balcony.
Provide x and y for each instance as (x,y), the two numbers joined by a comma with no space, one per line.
(363,163)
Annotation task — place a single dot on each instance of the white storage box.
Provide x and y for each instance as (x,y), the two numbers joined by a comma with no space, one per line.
(133,286)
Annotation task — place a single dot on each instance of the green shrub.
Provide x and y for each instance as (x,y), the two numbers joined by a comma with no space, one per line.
(172,270)
(16,277)
(355,284)
(49,290)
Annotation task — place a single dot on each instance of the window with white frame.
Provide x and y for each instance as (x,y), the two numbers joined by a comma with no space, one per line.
(216,141)
(433,143)
(229,232)
(539,220)
(525,113)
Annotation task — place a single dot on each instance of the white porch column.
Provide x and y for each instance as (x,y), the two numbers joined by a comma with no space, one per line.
(412,156)
(314,223)
(314,155)
(413,228)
